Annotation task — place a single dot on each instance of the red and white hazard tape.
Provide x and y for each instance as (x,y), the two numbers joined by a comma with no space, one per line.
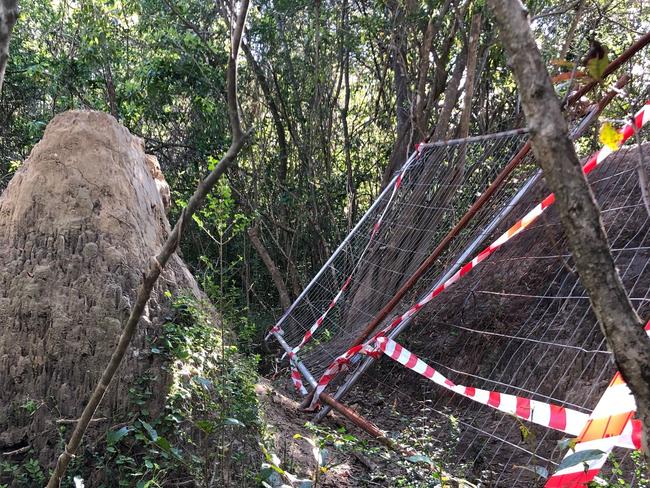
(296,379)
(546,414)
(611,424)
(312,330)
(640,119)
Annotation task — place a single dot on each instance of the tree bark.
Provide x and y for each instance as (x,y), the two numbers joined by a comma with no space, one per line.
(402,104)
(472,56)
(110,90)
(351,189)
(8,17)
(451,97)
(579,214)
(157,263)
(276,276)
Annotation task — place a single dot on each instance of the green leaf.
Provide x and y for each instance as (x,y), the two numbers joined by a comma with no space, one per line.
(323,457)
(420,459)
(231,421)
(163,443)
(205,425)
(114,436)
(266,472)
(148,464)
(567,443)
(206,383)
(538,470)
(596,67)
(580,457)
(150,430)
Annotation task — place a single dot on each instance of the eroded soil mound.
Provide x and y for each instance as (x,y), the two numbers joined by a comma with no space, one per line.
(78,223)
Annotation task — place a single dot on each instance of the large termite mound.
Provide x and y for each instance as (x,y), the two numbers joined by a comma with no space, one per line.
(78,225)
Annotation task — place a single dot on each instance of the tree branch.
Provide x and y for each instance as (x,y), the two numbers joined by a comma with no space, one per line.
(8,17)
(578,210)
(157,263)
(276,276)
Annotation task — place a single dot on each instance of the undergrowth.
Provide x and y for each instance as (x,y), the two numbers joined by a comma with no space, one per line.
(205,433)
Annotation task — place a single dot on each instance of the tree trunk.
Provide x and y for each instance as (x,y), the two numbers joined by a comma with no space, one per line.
(402,107)
(8,17)
(276,276)
(451,97)
(578,210)
(472,56)
(110,91)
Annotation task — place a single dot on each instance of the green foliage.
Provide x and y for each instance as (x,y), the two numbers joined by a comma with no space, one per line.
(210,407)
(25,474)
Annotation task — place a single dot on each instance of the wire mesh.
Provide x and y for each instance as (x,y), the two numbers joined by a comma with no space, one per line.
(434,191)
(521,323)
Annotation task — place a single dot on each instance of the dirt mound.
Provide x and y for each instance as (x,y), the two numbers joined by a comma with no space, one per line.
(77,224)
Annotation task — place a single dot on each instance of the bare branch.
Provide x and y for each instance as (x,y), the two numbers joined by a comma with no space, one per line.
(157,263)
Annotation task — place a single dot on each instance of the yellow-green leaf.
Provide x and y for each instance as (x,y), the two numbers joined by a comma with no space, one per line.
(596,67)
(609,136)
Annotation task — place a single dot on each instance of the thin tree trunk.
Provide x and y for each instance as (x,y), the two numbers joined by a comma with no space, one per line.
(110,90)
(578,209)
(8,17)
(572,29)
(157,263)
(420,114)
(399,54)
(351,189)
(472,56)
(451,97)
(276,276)
(283,151)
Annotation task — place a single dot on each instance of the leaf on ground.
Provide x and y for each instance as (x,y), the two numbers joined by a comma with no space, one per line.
(567,443)
(538,470)
(231,421)
(150,430)
(163,443)
(420,459)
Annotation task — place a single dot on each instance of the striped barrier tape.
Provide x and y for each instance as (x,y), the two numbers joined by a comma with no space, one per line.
(296,379)
(639,120)
(276,329)
(545,414)
(611,424)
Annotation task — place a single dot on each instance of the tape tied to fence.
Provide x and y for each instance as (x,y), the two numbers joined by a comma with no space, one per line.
(639,120)
(611,424)
(545,414)
(296,379)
